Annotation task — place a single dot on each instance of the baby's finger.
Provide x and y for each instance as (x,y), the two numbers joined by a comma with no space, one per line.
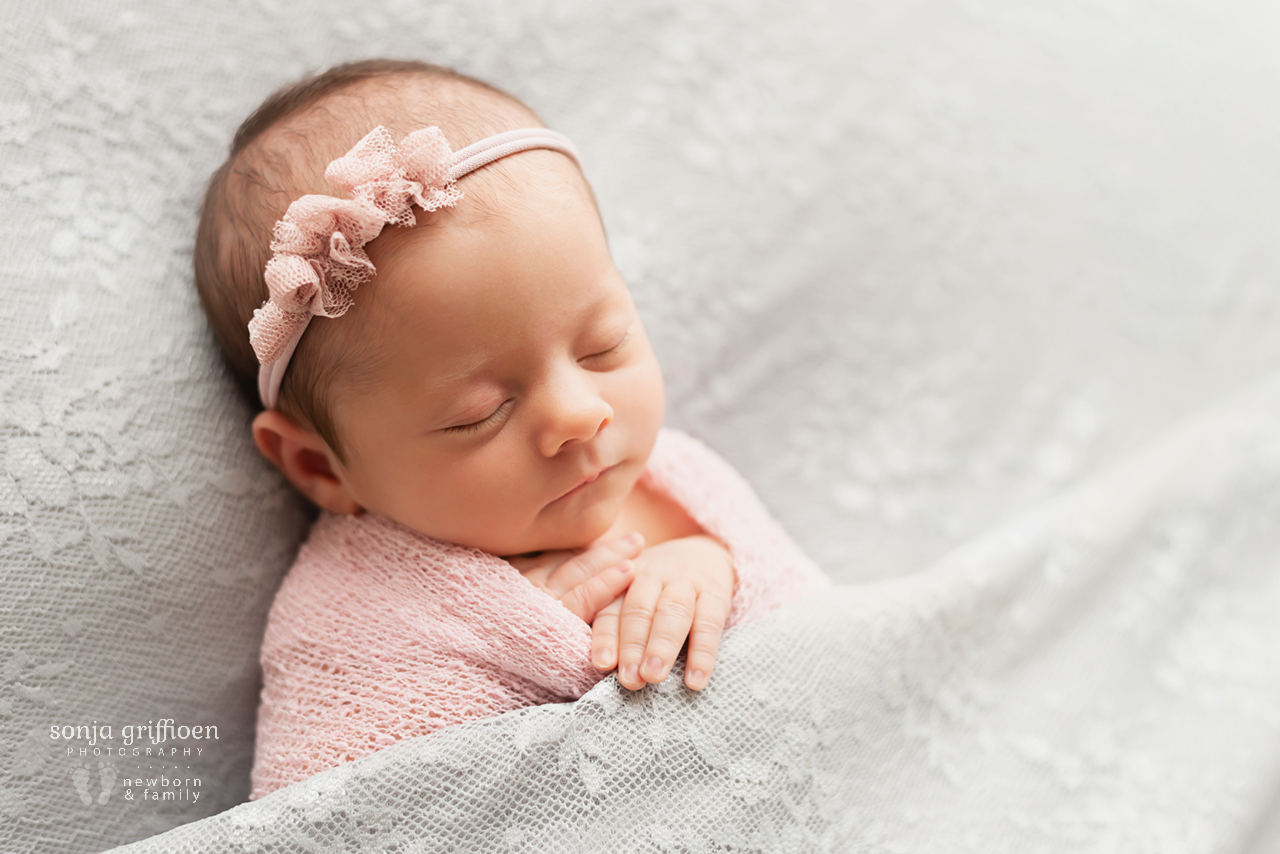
(704,640)
(573,572)
(671,621)
(633,629)
(599,590)
(604,636)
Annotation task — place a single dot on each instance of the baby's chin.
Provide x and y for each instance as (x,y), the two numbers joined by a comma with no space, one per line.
(545,535)
(579,531)
(572,524)
(577,536)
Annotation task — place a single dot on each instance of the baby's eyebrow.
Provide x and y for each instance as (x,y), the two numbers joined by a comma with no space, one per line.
(462,374)
(451,395)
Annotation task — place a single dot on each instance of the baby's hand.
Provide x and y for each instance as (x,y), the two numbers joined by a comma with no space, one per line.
(584,580)
(682,588)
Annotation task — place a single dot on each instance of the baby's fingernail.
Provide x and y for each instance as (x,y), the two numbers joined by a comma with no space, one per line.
(629,673)
(635,538)
(697,679)
(626,566)
(653,667)
(604,659)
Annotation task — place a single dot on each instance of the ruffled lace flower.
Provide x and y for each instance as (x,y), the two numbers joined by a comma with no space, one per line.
(318,256)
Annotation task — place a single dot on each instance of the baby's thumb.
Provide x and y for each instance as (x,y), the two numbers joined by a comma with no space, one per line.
(597,592)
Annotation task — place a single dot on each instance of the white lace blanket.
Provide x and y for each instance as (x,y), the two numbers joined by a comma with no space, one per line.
(1101,673)
(911,268)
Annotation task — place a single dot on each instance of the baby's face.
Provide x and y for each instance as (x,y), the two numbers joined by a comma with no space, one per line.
(520,398)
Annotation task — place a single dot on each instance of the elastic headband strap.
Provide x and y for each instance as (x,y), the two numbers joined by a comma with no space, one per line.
(304,281)
(500,145)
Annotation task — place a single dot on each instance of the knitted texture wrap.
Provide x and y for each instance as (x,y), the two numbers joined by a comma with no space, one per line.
(379,633)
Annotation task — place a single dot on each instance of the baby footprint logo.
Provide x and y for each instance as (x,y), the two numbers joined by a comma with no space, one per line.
(107,773)
(80,777)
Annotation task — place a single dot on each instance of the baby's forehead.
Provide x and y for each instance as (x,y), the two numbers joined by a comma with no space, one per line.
(288,159)
(526,186)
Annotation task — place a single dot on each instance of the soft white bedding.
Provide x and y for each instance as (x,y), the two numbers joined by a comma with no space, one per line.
(934,276)
(1099,673)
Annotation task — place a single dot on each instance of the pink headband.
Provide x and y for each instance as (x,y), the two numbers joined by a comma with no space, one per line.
(319,257)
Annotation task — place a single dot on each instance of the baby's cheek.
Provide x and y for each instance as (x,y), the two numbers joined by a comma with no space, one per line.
(640,404)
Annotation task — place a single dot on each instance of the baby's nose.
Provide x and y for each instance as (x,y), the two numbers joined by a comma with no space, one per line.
(577,412)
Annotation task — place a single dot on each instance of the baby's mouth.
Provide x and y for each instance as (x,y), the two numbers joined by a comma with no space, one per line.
(584,483)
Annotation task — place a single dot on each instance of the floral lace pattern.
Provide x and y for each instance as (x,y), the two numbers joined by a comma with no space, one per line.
(1101,671)
(911,268)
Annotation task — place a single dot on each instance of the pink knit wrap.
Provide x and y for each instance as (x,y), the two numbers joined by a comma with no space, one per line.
(379,633)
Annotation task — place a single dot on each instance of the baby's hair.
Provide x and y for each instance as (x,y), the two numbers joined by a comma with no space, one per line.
(280,153)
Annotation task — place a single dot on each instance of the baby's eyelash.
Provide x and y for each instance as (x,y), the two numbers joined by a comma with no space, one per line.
(475,426)
(613,349)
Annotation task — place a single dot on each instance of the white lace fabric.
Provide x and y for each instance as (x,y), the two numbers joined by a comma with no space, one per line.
(1102,671)
(913,269)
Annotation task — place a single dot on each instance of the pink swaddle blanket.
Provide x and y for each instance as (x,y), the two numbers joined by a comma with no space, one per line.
(379,633)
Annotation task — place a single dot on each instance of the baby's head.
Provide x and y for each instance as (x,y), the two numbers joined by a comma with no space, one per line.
(492,384)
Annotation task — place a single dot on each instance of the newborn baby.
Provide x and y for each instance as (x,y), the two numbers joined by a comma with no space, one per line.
(453,371)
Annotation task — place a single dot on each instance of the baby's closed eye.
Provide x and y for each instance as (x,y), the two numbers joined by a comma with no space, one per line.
(475,426)
(612,353)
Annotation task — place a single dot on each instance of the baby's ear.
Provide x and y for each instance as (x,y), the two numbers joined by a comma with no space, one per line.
(305,459)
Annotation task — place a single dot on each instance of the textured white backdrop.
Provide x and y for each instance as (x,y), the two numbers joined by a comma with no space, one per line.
(912,267)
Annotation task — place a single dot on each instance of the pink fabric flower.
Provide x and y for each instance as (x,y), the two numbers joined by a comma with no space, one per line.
(319,259)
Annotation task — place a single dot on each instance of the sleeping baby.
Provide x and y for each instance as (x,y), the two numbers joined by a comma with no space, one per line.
(410,274)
